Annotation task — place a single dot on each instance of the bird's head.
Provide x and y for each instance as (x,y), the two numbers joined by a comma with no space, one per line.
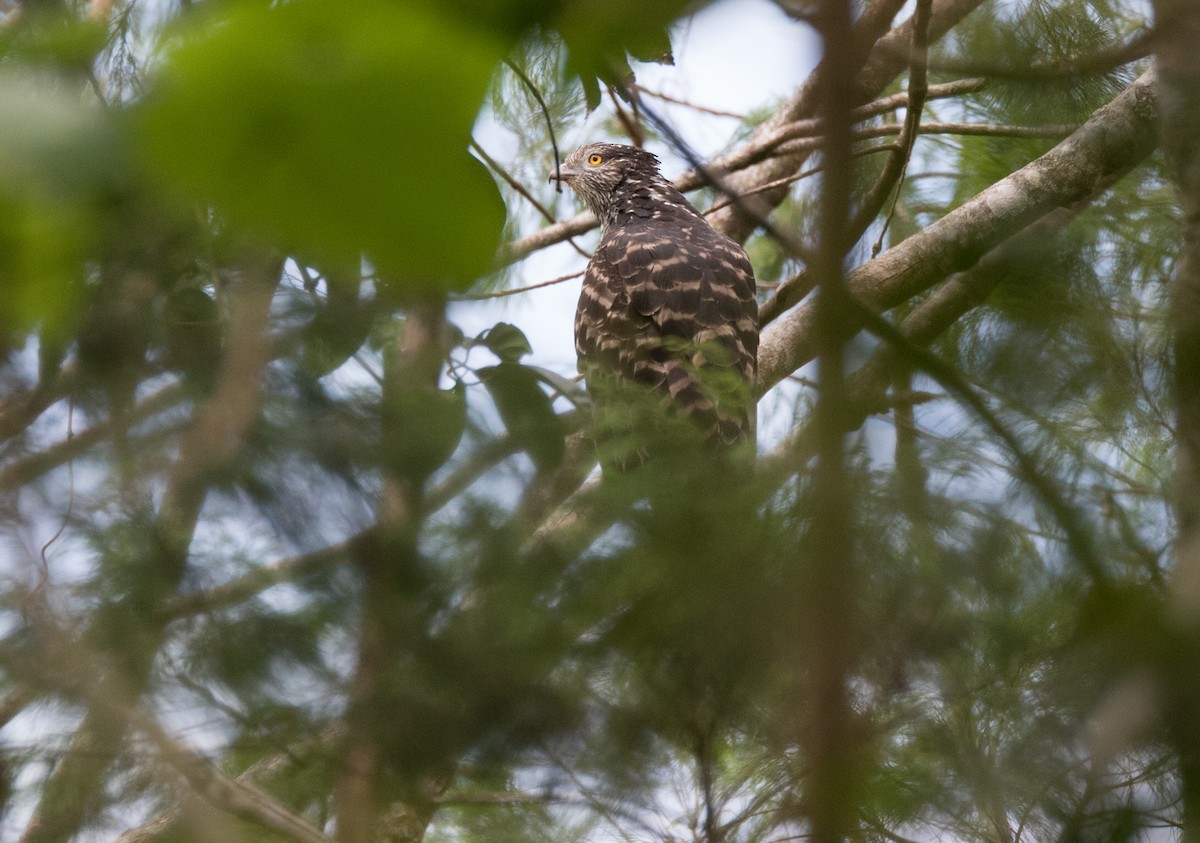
(596,171)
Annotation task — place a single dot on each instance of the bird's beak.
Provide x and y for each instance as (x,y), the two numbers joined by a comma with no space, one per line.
(563,174)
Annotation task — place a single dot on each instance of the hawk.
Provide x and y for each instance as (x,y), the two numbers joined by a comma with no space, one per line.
(668,303)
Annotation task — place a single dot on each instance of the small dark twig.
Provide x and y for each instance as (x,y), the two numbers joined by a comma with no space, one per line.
(1139,45)
(628,121)
(918,88)
(512,291)
(70,495)
(716,112)
(537,95)
(803,174)
(521,189)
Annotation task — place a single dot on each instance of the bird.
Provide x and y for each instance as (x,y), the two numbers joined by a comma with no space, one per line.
(667,307)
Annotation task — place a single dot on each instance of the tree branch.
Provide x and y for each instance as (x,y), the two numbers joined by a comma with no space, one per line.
(1117,135)
(234,796)
(391,612)
(887,60)
(22,471)
(888,57)
(1178,21)
(216,430)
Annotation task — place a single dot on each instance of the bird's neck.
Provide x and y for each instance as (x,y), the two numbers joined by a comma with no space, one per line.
(646,199)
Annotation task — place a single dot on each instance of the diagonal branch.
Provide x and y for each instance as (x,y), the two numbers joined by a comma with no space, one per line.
(796,288)
(77,672)
(886,60)
(390,612)
(19,409)
(31,466)
(888,57)
(897,162)
(1116,136)
(232,795)
(516,185)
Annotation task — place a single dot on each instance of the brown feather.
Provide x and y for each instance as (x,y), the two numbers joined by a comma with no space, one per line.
(667,302)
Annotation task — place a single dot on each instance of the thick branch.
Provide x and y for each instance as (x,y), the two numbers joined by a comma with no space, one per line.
(391,612)
(1178,22)
(929,320)
(1113,139)
(888,58)
(758,149)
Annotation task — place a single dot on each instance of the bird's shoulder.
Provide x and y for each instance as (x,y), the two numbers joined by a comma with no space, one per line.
(664,253)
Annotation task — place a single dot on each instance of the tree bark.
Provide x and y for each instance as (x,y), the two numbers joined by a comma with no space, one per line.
(1178,26)
(886,56)
(1179,93)
(1113,139)
(828,570)
(391,619)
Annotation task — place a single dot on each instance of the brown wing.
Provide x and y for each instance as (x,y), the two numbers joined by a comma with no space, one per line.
(670,305)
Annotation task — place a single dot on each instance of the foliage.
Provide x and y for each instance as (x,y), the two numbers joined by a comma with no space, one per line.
(297,550)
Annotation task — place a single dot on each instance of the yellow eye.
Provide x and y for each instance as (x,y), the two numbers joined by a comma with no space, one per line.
(595,158)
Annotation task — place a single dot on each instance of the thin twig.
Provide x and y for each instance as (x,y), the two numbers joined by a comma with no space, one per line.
(999,130)
(659,95)
(801,140)
(70,493)
(537,95)
(803,174)
(628,122)
(1139,46)
(918,88)
(759,149)
(512,291)
(512,182)
(264,577)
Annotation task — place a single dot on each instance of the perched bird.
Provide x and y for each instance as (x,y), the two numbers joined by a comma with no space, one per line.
(668,303)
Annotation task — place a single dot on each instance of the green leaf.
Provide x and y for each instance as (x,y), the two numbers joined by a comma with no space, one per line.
(526,411)
(422,429)
(59,163)
(339,328)
(506,341)
(193,338)
(598,39)
(335,132)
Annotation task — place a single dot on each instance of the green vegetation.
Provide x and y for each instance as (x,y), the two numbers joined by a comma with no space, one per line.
(290,554)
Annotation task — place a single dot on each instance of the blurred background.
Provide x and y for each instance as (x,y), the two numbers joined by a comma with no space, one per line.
(303,536)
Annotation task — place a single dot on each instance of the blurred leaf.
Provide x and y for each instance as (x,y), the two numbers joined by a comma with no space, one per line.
(193,342)
(340,326)
(599,37)
(422,429)
(59,41)
(337,131)
(59,161)
(507,17)
(526,411)
(506,341)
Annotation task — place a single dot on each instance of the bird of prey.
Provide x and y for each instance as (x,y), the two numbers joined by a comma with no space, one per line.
(668,303)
